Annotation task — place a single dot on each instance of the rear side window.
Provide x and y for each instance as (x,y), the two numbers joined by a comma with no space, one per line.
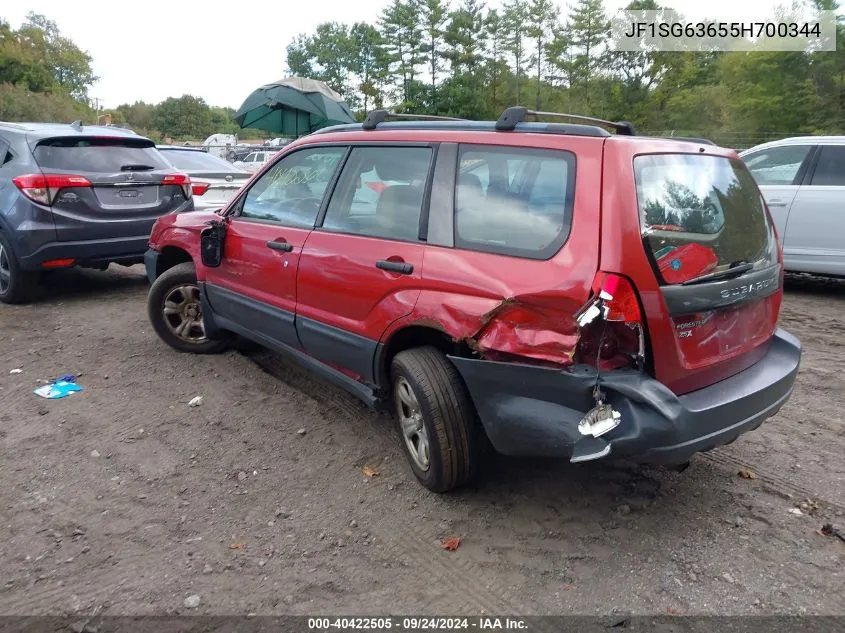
(380,193)
(700,214)
(777,165)
(101,155)
(514,201)
(830,170)
(190,160)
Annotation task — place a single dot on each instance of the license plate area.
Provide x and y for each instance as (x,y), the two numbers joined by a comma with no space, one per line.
(128,196)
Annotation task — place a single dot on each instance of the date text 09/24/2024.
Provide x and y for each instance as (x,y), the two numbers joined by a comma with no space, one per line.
(375,624)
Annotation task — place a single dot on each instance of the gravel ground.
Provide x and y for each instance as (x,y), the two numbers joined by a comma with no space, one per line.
(122,499)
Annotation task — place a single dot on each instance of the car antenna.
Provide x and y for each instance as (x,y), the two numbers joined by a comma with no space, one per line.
(77,124)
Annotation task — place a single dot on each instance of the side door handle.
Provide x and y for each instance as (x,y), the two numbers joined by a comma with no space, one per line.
(777,203)
(280,246)
(403,268)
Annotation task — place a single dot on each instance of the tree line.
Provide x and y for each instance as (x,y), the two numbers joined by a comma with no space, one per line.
(467,60)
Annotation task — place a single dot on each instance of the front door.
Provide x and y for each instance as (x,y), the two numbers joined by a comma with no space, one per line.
(814,240)
(778,172)
(253,291)
(361,269)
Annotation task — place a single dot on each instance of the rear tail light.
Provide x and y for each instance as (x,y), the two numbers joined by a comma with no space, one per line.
(42,188)
(179,179)
(617,339)
(199,188)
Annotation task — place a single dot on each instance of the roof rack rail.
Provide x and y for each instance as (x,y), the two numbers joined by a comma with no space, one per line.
(380,116)
(512,116)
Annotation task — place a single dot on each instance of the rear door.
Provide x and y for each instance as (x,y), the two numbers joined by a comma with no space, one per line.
(814,240)
(779,172)
(361,269)
(127,185)
(254,288)
(711,287)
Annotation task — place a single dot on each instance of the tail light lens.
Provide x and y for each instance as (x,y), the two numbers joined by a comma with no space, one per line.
(199,188)
(179,179)
(42,188)
(618,339)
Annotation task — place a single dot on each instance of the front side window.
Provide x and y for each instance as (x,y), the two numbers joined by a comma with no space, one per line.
(380,193)
(514,201)
(292,190)
(777,165)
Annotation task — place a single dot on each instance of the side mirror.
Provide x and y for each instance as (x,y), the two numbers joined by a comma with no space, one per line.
(212,238)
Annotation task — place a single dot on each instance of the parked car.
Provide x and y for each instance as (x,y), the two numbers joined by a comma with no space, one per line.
(255,160)
(74,195)
(239,152)
(803,182)
(551,288)
(214,181)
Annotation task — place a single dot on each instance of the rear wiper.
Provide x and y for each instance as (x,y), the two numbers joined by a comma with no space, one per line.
(137,167)
(735,270)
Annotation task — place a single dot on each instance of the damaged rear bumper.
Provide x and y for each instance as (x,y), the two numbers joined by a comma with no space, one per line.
(534,411)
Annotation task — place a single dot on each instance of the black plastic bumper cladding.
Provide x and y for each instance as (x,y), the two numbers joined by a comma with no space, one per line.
(534,411)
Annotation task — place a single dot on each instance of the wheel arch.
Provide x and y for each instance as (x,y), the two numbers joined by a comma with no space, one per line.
(171,256)
(408,337)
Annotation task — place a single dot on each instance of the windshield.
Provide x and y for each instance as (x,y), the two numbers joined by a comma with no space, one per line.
(700,214)
(192,160)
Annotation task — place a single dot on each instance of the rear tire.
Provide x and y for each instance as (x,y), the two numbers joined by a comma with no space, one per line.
(437,422)
(16,285)
(175,311)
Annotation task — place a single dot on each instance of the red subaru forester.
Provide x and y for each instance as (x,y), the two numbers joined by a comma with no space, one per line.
(553,289)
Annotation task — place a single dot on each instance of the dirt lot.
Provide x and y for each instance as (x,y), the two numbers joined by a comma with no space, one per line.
(122,499)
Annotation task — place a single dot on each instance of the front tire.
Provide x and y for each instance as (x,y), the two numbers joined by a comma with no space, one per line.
(436,419)
(16,285)
(175,311)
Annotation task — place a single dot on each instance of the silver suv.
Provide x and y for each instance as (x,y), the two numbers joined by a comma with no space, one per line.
(803,182)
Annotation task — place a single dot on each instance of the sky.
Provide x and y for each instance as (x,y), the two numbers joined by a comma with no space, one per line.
(223,51)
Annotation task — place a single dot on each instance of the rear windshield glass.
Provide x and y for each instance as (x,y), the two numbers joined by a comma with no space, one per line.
(191,160)
(103,155)
(700,214)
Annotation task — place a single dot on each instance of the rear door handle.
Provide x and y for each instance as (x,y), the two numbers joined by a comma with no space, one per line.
(280,246)
(777,203)
(403,268)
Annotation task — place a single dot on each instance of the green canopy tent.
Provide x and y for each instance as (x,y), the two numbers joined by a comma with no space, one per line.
(293,106)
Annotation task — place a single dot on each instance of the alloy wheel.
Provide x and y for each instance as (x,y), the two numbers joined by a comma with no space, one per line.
(414,431)
(5,271)
(182,314)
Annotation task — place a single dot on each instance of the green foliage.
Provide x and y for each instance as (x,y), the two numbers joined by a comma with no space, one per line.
(19,103)
(69,65)
(183,117)
(474,61)
(42,60)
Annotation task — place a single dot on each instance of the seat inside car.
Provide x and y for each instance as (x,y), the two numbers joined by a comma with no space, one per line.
(399,205)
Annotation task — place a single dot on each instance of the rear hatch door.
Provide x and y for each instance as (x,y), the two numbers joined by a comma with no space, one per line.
(128,189)
(711,279)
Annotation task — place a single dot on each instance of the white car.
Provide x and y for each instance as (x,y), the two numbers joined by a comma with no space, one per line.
(254,161)
(803,183)
(214,181)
